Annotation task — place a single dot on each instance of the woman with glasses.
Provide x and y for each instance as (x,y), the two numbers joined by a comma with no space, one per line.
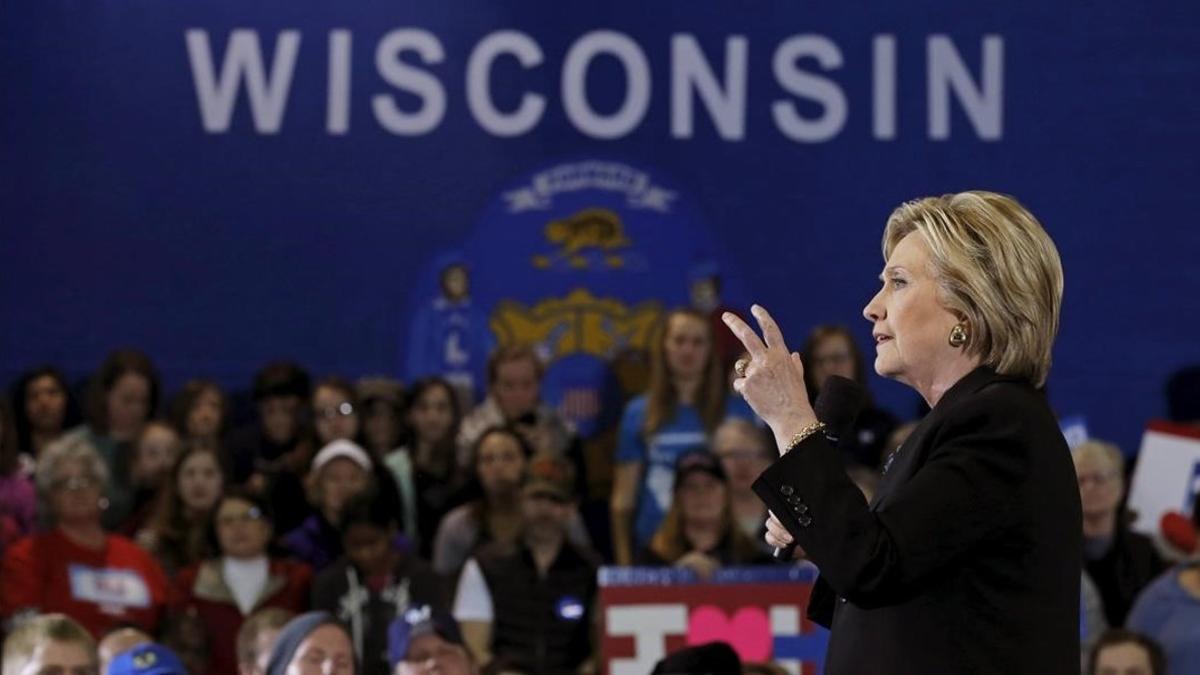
(1120,562)
(99,579)
(831,350)
(245,578)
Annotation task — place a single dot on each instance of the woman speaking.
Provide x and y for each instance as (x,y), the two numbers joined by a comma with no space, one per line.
(967,559)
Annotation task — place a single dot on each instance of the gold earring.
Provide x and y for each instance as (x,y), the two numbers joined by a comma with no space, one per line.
(958,335)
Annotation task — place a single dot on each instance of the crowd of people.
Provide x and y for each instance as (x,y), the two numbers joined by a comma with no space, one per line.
(375,527)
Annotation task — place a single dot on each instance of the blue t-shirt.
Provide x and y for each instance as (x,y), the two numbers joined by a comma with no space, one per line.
(659,452)
(1169,614)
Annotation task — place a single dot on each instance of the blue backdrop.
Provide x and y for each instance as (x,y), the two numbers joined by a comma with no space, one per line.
(224,183)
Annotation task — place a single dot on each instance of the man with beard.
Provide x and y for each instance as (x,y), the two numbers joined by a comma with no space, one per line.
(528,608)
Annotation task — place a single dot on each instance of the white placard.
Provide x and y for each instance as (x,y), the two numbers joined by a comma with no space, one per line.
(1167,476)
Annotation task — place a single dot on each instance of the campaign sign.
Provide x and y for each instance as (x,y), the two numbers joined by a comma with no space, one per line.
(648,613)
(1167,476)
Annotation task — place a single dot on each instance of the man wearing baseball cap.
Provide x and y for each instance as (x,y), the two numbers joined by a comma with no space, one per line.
(423,641)
(528,608)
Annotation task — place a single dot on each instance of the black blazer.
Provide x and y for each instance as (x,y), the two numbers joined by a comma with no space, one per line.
(968,558)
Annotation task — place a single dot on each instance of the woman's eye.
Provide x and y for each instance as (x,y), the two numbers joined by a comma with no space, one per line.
(897,282)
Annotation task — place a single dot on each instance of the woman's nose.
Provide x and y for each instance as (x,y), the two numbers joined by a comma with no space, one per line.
(874,310)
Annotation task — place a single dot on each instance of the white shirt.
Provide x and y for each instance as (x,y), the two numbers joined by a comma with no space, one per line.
(473,601)
(246,578)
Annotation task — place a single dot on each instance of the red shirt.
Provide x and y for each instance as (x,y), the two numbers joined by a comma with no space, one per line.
(118,584)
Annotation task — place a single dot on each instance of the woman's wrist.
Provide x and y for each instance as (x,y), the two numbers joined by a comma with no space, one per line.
(787,430)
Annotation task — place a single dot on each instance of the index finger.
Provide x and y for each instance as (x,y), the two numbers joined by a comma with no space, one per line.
(770,329)
(745,334)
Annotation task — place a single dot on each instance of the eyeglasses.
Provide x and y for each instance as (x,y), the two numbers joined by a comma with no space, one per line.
(73,483)
(1097,479)
(342,410)
(251,516)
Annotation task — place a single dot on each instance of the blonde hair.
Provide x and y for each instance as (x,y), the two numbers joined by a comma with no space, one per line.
(29,635)
(996,268)
(1101,451)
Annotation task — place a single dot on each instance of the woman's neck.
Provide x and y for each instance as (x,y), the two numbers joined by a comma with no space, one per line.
(703,533)
(503,502)
(88,534)
(687,389)
(1098,525)
(40,439)
(934,385)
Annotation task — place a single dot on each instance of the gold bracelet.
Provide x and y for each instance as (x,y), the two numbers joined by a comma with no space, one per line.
(804,434)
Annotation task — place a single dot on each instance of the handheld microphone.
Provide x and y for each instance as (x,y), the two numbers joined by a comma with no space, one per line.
(837,405)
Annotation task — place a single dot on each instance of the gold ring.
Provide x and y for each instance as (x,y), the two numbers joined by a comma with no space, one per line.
(740,367)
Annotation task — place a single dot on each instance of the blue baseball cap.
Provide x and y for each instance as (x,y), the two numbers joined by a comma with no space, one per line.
(147,659)
(418,621)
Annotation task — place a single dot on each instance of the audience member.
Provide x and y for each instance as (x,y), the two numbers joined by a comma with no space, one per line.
(122,397)
(687,399)
(18,498)
(514,399)
(337,412)
(157,450)
(185,635)
(272,456)
(382,405)
(526,606)
(43,409)
(1123,652)
(200,413)
(256,638)
(178,530)
(1168,611)
(99,579)
(831,350)
(312,643)
(501,456)
(224,590)
(1120,561)
(426,470)
(745,451)
(425,641)
(51,644)
(147,659)
(118,641)
(341,470)
(699,531)
(373,581)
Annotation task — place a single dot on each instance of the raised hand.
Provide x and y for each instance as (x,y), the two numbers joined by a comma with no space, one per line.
(773,380)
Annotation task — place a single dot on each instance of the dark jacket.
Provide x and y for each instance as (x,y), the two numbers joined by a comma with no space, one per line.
(542,625)
(966,561)
(367,609)
(316,542)
(1128,566)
